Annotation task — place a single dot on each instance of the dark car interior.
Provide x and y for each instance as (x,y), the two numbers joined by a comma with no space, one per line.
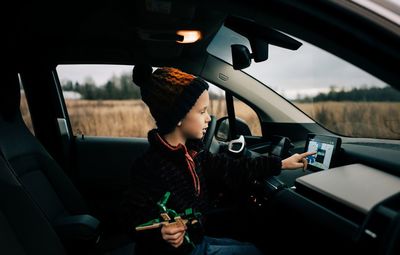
(59,191)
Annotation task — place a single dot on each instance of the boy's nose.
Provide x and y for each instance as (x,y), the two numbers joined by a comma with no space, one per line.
(208,118)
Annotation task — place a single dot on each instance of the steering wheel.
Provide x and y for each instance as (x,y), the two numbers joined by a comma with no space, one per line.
(209,135)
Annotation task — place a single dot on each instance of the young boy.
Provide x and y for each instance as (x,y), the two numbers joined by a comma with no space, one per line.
(175,162)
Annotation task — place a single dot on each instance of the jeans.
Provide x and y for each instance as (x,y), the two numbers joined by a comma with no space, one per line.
(224,246)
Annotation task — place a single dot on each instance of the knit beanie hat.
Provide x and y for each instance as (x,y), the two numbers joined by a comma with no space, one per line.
(169,93)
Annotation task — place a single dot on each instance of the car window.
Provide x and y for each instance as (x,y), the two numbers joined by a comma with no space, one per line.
(102,101)
(242,110)
(246,113)
(336,94)
(217,105)
(26,115)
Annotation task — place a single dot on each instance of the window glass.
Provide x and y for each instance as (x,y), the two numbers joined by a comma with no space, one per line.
(336,94)
(217,106)
(246,113)
(26,115)
(102,101)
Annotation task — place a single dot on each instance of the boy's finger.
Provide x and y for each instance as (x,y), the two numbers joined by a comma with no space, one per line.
(298,165)
(176,243)
(174,236)
(173,228)
(307,153)
(305,164)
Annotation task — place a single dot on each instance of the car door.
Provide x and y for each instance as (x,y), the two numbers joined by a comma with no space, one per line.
(107,124)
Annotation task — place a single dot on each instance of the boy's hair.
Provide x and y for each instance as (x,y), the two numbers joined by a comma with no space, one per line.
(169,92)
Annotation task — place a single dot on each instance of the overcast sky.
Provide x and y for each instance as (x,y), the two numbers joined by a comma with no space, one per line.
(307,71)
(99,73)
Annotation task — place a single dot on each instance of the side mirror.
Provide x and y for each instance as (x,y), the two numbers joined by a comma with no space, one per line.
(222,128)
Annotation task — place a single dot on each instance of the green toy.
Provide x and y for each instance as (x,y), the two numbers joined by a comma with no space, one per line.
(169,216)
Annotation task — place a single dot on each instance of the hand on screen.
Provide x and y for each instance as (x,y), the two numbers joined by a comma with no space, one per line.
(297,161)
(310,159)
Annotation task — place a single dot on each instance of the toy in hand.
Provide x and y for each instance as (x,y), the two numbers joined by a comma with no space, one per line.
(169,216)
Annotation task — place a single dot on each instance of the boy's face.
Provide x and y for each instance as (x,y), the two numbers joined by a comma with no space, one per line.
(196,121)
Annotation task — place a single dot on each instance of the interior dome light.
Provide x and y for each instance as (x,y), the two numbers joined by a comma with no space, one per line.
(189,36)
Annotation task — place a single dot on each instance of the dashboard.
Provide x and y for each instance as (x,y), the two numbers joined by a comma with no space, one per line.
(357,186)
(348,175)
(351,187)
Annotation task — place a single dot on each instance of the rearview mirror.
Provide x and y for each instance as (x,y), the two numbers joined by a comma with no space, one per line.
(259,37)
(241,56)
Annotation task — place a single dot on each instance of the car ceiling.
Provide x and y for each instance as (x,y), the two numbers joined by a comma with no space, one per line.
(92,31)
(112,31)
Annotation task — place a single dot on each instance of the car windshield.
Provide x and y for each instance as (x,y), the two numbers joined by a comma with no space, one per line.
(336,94)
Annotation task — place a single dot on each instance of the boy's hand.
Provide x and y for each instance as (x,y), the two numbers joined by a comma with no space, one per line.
(297,161)
(174,233)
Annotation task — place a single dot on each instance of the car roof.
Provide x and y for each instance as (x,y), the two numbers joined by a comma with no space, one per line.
(104,32)
(90,31)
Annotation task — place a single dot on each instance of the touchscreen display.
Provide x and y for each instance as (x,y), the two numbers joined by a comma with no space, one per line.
(325,148)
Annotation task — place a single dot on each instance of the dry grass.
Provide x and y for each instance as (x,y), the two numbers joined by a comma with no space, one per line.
(126,118)
(358,119)
(25,113)
(244,112)
(131,118)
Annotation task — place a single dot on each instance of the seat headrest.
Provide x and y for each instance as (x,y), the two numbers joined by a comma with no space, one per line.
(10,96)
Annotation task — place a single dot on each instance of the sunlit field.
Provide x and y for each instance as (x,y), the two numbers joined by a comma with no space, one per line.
(358,119)
(131,118)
